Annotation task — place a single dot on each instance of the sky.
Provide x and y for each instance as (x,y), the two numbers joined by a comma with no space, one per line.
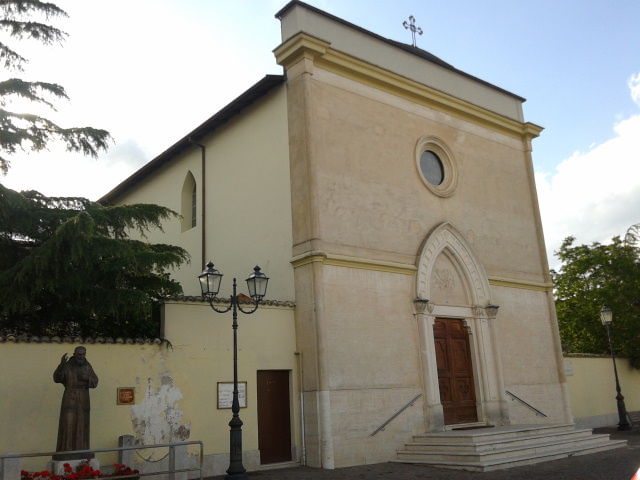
(150,71)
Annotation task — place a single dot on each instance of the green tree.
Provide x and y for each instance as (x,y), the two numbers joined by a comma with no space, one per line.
(69,267)
(589,277)
(29,131)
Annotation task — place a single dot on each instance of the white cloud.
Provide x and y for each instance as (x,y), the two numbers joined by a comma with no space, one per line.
(634,85)
(58,173)
(148,86)
(594,195)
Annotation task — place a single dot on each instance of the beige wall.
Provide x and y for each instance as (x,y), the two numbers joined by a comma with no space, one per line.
(248,206)
(176,386)
(371,201)
(181,382)
(360,364)
(531,361)
(593,389)
(361,215)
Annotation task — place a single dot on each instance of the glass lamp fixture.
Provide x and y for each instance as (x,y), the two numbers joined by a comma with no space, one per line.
(210,282)
(606,315)
(257,284)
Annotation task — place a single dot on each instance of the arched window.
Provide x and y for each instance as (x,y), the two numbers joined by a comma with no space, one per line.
(189,205)
(194,208)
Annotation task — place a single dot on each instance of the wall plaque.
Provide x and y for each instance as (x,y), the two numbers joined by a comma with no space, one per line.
(126,395)
(225,394)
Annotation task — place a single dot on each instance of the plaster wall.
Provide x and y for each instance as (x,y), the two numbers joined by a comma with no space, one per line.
(360,364)
(372,201)
(592,387)
(362,212)
(372,363)
(248,205)
(175,387)
(531,363)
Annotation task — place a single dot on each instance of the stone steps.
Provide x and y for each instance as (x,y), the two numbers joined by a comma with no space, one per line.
(496,448)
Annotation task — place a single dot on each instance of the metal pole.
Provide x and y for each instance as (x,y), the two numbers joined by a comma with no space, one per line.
(236,470)
(623,423)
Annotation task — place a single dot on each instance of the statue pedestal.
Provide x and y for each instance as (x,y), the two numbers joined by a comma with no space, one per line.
(57,466)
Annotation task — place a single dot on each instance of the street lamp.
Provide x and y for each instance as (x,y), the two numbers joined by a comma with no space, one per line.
(606,317)
(210,285)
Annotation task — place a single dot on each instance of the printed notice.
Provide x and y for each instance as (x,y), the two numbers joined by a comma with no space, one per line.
(225,394)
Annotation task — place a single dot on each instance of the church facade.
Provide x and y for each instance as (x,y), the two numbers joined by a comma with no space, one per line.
(391,200)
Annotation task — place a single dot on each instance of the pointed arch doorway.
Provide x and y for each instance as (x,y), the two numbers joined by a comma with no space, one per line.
(460,358)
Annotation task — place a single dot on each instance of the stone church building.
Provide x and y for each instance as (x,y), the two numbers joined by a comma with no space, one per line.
(390,198)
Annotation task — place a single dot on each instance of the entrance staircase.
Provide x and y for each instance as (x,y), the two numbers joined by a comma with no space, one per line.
(494,448)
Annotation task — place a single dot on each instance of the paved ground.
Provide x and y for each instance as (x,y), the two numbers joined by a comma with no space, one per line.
(617,464)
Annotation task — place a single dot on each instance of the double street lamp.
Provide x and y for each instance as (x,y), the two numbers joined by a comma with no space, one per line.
(210,285)
(606,317)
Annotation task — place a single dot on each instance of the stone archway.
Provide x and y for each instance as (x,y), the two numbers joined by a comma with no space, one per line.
(451,283)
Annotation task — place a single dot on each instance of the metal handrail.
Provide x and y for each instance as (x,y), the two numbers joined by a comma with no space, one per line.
(410,404)
(538,412)
(120,449)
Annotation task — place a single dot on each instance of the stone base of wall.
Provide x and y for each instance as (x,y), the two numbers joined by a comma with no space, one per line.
(596,421)
(215,465)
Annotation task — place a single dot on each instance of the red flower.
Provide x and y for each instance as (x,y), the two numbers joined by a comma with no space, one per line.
(83,471)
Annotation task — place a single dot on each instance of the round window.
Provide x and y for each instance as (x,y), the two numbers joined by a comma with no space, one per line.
(436,165)
(431,167)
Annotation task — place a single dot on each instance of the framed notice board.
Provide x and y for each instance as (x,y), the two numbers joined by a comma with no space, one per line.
(126,396)
(225,394)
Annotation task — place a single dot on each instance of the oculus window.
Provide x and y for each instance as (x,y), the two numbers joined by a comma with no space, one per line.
(436,166)
(431,167)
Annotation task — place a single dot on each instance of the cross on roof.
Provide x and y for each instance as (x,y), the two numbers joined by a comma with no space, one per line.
(412,26)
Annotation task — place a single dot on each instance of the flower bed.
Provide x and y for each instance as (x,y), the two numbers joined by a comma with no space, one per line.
(84,470)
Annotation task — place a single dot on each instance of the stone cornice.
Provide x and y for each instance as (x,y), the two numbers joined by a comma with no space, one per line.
(299,47)
(522,284)
(318,256)
(352,262)
(303,46)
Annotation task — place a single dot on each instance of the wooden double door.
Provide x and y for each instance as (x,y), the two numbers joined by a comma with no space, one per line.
(455,372)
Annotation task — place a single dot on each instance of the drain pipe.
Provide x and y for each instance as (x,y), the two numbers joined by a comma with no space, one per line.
(203,227)
(303,454)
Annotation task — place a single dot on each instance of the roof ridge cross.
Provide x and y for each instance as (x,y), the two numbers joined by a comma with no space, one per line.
(411,25)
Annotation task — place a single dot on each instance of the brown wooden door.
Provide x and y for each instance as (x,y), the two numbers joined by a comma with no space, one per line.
(455,374)
(274,416)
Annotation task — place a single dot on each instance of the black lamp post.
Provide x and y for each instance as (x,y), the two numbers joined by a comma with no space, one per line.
(606,317)
(210,284)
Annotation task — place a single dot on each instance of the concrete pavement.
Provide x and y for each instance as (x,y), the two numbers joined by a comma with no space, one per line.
(617,464)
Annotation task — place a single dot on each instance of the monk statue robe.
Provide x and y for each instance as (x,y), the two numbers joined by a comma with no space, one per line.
(77,376)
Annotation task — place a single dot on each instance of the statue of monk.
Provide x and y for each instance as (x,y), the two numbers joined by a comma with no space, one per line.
(77,376)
